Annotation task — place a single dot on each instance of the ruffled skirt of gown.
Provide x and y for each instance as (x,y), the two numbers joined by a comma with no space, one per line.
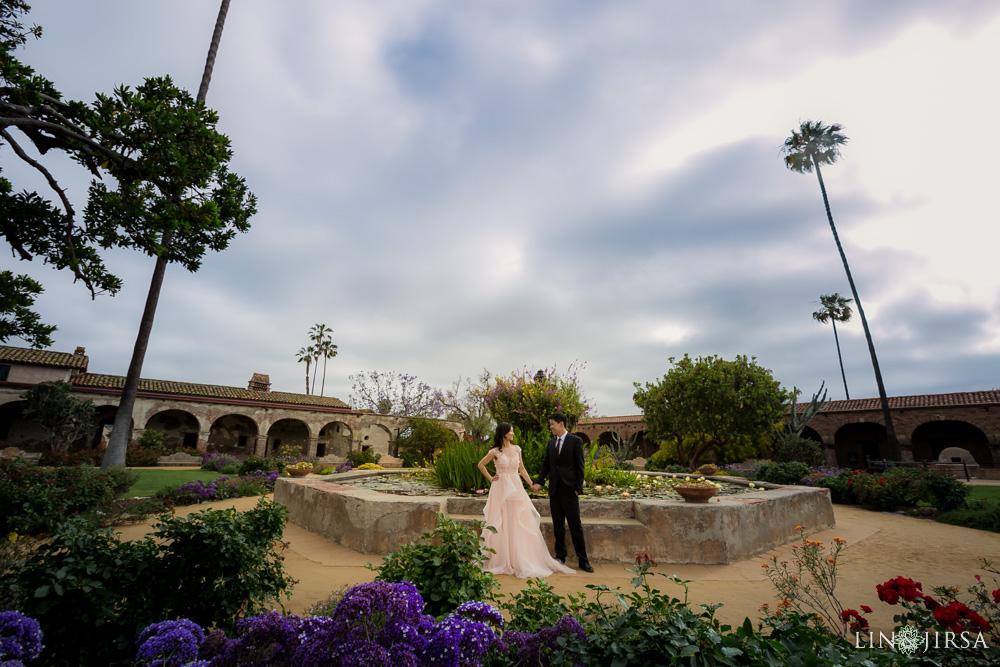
(518,542)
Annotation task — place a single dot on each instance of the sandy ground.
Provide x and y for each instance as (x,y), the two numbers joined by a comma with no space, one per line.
(879,547)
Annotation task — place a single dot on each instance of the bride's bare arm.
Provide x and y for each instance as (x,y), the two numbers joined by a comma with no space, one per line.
(490,455)
(524,471)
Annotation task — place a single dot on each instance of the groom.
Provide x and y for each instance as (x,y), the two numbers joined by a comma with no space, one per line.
(564,463)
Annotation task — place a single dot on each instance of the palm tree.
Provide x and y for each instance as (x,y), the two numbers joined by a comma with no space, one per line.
(306,354)
(815,144)
(327,349)
(835,309)
(322,346)
(121,431)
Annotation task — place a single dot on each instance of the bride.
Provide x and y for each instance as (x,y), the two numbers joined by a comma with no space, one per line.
(518,544)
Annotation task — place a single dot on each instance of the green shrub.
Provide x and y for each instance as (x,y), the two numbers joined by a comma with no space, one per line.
(421,439)
(791,472)
(948,493)
(906,487)
(537,605)
(611,476)
(35,499)
(82,457)
(264,464)
(93,594)
(456,466)
(150,439)
(446,566)
(789,447)
(364,456)
(139,457)
(979,514)
(840,490)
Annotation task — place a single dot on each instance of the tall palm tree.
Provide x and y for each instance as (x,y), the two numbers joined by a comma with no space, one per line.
(321,342)
(307,355)
(835,309)
(326,348)
(121,431)
(816,144)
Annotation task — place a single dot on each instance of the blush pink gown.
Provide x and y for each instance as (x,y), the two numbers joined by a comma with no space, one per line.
(518,542)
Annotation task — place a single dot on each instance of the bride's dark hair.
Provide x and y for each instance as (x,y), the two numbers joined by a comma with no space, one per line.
(503,428)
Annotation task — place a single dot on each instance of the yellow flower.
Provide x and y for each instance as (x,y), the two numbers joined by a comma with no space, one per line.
(752,486)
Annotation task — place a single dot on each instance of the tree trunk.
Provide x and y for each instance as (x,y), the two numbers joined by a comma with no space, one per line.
(307,377)
(840,358)
(322,386)
(121,432)
(890,431)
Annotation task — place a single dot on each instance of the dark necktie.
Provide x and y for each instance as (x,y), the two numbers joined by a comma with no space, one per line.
(558,446)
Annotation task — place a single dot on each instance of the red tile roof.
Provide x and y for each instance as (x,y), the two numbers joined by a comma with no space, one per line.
(609,420)
(98,380)
(24,355)
(920,401)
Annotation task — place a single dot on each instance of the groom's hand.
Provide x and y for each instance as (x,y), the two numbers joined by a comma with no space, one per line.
(536,487)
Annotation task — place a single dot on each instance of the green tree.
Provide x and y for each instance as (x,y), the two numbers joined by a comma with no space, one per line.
(420,439)
(322,347)
(196,203)
(709,403)
(835,308)
(813,145)
(306,355)
(17,319)
(63,418)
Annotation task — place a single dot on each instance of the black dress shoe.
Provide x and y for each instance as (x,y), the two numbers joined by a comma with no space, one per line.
(586,567)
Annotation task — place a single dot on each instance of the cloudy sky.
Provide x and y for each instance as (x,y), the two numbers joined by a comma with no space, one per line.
(508,184)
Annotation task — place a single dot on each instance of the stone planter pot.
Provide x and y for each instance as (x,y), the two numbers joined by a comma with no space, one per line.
(298,472)
(696,494)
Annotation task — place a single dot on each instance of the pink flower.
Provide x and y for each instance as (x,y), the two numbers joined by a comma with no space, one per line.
(479,491)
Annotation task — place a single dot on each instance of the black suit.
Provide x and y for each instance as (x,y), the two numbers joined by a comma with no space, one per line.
(565,470)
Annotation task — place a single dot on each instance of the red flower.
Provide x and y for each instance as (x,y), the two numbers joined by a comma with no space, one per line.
(860,623)
(900,587)
(930,603)
(957,618)
(996,596)
(865,608)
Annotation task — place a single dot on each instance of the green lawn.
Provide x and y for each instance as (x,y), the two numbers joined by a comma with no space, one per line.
(152,480)
(979,492)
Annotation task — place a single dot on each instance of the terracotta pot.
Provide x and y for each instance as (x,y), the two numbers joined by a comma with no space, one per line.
(298,472)
(697,494)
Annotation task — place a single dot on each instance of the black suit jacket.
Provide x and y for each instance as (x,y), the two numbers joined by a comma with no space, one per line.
(567,466)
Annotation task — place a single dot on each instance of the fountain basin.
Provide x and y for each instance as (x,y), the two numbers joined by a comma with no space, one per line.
(726,530)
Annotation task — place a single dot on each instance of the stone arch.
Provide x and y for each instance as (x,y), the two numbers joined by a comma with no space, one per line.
(14,428)
(376,437)
(180,428)
(334,439)
(234,434)
(810,433)
(583,436)
(858,443)
(104,419)
(285,432)
(930,438)
(605,438)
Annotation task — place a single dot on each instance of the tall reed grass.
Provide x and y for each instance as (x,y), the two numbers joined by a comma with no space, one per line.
(456,467)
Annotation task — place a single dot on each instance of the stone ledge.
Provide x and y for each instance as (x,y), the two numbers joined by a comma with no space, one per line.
(672,531)
(179,459)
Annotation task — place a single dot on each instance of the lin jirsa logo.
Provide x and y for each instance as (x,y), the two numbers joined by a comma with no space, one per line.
(908,640)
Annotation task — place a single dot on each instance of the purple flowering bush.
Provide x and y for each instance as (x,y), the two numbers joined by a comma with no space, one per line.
(20,639)
(217,461)
(256,483)
(378,624)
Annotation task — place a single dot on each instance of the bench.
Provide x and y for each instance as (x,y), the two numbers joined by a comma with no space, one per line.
(18,453)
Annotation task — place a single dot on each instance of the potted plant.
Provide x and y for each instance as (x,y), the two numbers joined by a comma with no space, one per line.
(300,469)
(698,490)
